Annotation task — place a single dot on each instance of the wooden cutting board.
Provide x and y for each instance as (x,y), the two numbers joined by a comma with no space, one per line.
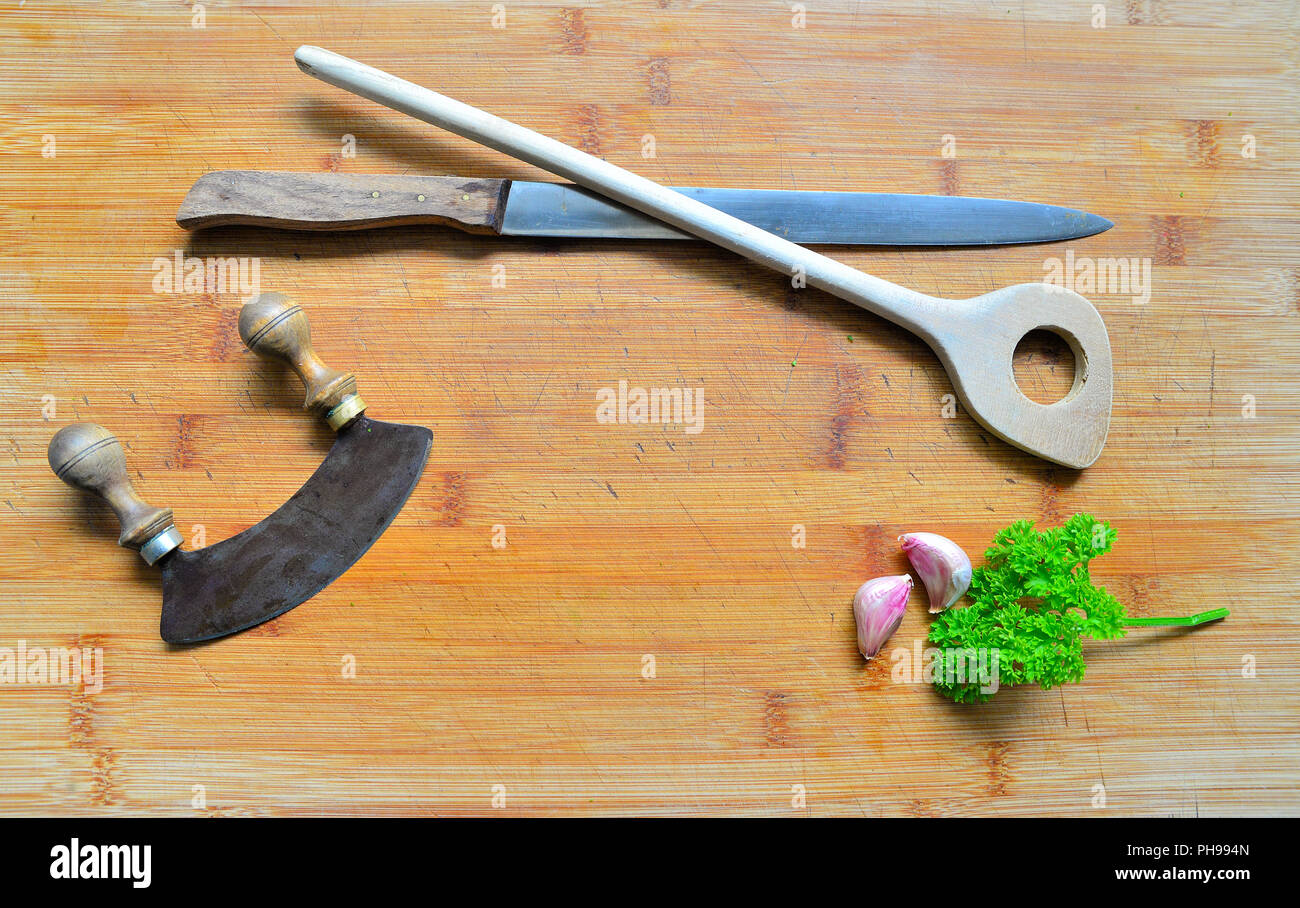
(651,638)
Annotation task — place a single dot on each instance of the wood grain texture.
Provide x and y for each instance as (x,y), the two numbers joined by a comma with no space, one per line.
(518,671)
(340,201)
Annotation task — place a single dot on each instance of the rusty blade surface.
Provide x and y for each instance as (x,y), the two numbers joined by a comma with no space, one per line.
(305,545)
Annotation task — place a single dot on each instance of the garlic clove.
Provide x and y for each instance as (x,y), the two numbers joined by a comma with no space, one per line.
(943,567)
(878,609)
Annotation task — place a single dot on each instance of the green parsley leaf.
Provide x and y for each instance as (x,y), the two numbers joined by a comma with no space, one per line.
(1033,603)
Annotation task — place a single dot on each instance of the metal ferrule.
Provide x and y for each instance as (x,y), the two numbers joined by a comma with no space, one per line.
(351,407)
(160,545)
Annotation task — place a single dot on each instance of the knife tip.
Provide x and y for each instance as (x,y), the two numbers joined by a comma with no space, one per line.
(1095,224)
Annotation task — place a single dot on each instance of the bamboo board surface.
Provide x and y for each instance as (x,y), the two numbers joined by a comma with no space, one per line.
(512,680)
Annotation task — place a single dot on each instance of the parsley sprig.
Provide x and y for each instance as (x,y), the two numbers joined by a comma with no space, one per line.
(1033,603)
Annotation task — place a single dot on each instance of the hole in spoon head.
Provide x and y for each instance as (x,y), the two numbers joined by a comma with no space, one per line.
(1044,366)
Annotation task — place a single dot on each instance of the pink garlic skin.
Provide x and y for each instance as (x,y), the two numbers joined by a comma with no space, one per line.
(878,609)
(943,567)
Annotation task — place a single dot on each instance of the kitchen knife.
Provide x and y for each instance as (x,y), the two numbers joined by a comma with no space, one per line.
(307,543)
(330,201)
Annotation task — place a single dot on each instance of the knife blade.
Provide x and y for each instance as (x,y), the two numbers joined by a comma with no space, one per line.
(328,202)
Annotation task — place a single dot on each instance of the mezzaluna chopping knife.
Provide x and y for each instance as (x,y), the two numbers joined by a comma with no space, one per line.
(331,201)
(308,542)
(974,338)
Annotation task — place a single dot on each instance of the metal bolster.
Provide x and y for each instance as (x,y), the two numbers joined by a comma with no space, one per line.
(348,409)
(160,545)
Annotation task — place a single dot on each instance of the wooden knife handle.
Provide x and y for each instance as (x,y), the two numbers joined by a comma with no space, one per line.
(273,326)
(89,457)
(333,201)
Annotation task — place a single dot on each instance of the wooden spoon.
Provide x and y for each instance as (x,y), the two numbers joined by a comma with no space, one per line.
(975,339)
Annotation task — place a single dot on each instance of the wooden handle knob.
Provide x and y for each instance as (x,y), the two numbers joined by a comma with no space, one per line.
(274,327)
(88,457)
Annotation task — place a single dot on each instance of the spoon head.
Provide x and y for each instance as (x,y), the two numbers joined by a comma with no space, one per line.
(977,349)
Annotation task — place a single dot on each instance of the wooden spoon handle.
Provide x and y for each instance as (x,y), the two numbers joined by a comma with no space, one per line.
(915,311)
(335,201)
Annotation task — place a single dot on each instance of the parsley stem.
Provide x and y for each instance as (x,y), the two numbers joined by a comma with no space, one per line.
(1188,621)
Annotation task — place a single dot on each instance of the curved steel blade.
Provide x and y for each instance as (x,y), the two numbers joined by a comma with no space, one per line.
(849,218)
(305,545)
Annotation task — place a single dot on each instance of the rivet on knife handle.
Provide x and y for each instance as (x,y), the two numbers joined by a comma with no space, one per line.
(89,457)
(276,328)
